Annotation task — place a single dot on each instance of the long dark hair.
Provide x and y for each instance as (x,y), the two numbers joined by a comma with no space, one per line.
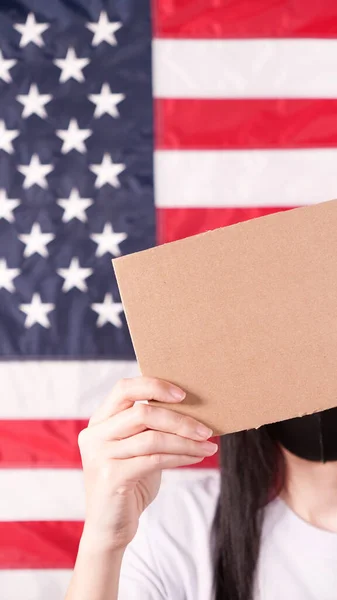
(251,472)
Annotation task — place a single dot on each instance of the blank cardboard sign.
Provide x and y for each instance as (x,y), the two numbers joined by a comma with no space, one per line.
(244,318)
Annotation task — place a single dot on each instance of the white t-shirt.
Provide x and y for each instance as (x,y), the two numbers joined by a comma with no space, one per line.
(170,558)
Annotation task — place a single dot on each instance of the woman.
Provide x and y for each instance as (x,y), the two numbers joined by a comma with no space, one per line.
(266,530)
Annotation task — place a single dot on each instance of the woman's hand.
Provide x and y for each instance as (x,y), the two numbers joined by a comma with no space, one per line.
(124,449)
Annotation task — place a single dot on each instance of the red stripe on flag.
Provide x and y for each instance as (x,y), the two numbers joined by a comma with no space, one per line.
(35,443)
(244,18)
(176,223)
(48,443)
(39,544)
(245,124)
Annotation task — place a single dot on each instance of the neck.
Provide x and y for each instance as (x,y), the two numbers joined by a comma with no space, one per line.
(310,489)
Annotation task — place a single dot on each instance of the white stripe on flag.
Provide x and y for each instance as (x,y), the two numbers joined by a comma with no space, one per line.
(58,494)
(41,495)
(34,584)
(58,389)
(266,68)
(244,178)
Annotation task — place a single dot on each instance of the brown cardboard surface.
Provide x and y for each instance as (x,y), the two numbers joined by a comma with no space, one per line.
(244,318)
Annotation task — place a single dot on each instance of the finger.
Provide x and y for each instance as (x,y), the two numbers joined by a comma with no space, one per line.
(156,442)
(141,417)
(141,466)
(127,391)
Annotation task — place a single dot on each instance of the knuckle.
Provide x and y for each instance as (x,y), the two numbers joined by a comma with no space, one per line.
(193,446)
(158,387)
(149,380)
(82,437)
(122,385)
(150,442)
(180,421)
(154,439)
(154,386)
(141,412)
(157,459)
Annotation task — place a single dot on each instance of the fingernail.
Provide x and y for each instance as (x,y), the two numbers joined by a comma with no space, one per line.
(177,393)
(203,432)
(210,448)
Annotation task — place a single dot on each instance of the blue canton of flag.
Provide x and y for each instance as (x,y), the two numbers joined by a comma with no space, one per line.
(76,180)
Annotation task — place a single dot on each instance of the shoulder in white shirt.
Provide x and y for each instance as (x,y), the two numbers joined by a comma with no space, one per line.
(170,557)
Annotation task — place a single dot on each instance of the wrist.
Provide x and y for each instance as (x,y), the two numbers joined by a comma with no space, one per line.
(97,542)
(97,568)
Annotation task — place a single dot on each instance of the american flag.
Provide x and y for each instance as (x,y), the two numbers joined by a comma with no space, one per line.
(229,107)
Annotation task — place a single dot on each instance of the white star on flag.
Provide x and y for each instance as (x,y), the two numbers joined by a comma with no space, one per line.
(108,311)
(104,30)
(35,172)
(34,102)
(73,137)
(5,66)
(108,241)
(31,31)
(106,102)
(7,205)
(36,241)
(6,138)
(7,275)
(75,276)
(37,312)
(107,172)
(74,207)
(71,66)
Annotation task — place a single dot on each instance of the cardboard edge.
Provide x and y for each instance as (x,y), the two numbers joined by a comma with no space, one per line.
(282,214)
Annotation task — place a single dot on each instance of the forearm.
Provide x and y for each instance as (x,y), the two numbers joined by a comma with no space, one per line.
(96,572)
